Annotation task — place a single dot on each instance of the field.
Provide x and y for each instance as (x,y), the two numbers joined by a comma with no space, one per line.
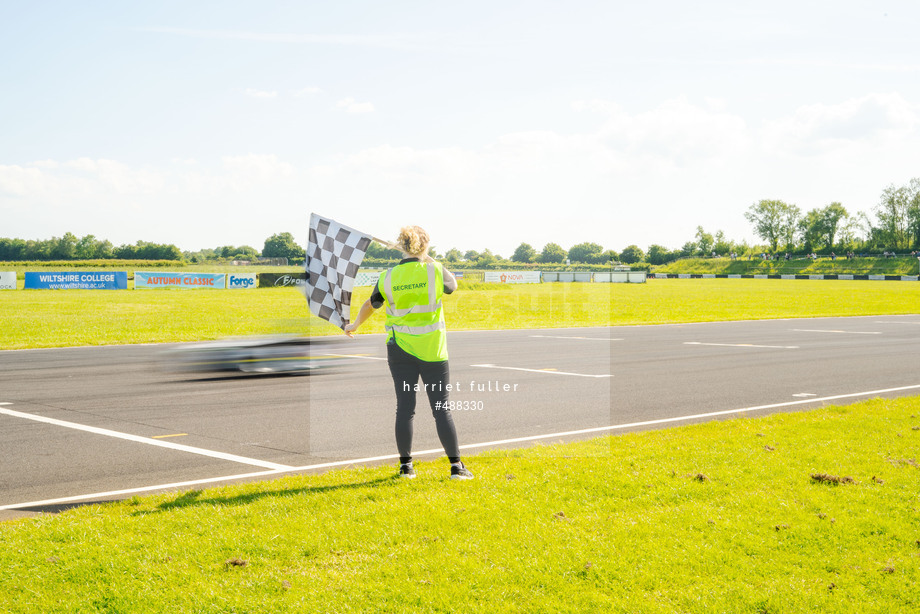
(805,512)
(903,265)
(799,512)
(45,318)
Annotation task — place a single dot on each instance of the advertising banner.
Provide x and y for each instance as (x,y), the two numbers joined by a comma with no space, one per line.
(282,280)
(77,280)
(7,280)
(512,277)
(147,279)
(242,282)
(367,278)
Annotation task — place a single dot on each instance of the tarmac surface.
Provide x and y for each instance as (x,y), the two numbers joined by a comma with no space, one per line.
(82,425)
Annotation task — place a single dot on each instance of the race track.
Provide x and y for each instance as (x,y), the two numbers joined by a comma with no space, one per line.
(91,424)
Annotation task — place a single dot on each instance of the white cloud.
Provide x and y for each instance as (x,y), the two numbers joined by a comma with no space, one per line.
(351,106)
(868,120)
(254,93)
(634,177)
(308,91)
(19,181)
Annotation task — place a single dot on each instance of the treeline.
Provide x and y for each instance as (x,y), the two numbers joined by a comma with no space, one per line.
(892,226)
(69,247)
(552,253)
(785,228)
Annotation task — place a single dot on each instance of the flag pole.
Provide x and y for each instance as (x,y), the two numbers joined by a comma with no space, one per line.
(387,243)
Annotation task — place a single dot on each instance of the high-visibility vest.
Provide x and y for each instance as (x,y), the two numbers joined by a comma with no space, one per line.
(413,292)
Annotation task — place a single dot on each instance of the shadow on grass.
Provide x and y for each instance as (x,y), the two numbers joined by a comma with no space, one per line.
(194,497)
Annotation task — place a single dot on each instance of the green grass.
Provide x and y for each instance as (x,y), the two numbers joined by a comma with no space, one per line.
(54,318)
(49,318)
(711,300)
(801,266)
(719,517)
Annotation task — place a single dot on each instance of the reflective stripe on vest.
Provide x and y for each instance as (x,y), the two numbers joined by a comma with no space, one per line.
(417,330)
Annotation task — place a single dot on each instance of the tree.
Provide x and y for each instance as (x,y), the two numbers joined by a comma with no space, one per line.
(524,253)
(243,252)
(144,250)
(774,221)
(658,254)
(486,259)
(453,255)
(86,248)
(551,253)
(704,241)
(376,250)
(282,245)
(721,245)
(609,256)
(835,217)
(898,214)
(632,254)
(688,249)
(913,210)
(471,255)
(588,253)
(64,248)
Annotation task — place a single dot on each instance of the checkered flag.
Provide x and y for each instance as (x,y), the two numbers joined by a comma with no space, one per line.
(334,253)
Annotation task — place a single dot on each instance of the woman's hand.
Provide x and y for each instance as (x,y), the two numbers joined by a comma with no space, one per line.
(350,328)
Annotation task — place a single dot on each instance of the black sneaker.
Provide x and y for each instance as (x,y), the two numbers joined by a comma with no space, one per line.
(407,471)
(458,471)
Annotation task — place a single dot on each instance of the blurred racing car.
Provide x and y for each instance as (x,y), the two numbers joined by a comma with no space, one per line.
(272,354)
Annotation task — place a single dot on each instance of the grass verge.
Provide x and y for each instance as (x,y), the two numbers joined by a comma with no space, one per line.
(717,517)
(902,265)
(48,318)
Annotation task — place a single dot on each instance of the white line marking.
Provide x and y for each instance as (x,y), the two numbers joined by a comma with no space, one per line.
(552,372)
(887,322)
(146,440)
(564,337)
(439,451)
(845,332)
(744,345)
(356,356)
(805,394)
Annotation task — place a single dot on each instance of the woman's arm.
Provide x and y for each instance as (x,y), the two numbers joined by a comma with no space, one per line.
(366,310)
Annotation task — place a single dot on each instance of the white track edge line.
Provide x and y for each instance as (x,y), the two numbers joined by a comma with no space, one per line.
(146,440)
(490,366)
(469,446)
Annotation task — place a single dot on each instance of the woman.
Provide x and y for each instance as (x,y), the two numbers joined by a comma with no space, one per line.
(416,343)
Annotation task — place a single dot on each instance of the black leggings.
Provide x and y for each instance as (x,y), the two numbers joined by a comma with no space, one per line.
(406,370)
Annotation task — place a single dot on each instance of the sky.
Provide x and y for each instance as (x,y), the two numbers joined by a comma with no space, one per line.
(489,123)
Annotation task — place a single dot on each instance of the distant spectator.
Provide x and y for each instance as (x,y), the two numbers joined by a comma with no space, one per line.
(833,256)
(787,256)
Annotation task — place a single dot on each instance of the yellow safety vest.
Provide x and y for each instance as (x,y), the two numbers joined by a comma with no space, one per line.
(413,292)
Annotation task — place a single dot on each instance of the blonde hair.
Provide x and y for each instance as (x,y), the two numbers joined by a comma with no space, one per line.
(413,240)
